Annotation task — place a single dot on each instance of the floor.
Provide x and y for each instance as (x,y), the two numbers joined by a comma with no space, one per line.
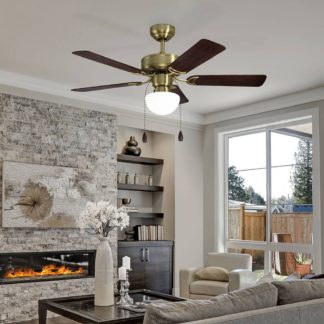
(55,320)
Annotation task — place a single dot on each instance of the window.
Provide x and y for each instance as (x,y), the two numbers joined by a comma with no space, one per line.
(269,195)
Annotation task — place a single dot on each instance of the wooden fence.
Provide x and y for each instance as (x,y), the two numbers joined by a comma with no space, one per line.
(251,225)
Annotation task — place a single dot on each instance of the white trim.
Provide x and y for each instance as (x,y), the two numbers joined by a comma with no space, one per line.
(317,220)
(220,178)
(270,246)
(267,256)
(276,103)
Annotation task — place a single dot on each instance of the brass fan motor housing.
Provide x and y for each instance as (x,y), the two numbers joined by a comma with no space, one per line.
(157,62)
(162,32)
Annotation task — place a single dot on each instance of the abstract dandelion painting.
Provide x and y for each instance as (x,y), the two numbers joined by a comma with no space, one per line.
(44,196)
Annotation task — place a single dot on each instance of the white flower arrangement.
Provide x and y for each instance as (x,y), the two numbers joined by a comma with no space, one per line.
(102,217)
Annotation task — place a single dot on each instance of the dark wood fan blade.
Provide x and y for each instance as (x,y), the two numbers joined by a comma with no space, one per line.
(107,86)
(228,80)
(183,98)
(105,60)
(199,53)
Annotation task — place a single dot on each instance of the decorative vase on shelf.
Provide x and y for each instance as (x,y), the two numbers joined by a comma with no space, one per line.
(104,275)
(131,147)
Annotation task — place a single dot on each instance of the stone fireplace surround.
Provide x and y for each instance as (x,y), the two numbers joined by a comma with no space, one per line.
(33,131)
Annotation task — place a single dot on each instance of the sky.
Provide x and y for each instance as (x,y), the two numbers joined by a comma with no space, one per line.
(249,152)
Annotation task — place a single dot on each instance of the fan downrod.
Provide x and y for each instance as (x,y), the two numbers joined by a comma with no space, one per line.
(162,32)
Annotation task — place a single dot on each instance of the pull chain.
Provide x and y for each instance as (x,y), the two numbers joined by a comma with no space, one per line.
(180,135)
(144,137)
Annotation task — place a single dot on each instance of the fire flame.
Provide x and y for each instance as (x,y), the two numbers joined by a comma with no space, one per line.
(47,270)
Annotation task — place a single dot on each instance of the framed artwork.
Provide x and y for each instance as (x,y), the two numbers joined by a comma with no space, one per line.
(44,196)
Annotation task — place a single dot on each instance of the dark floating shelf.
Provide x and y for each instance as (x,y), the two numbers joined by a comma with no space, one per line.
(138,159)
(134,187)
(145,215)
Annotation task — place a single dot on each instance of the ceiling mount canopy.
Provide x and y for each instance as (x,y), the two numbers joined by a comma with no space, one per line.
(163,70)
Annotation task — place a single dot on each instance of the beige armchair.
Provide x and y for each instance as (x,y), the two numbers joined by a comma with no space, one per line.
(240,276)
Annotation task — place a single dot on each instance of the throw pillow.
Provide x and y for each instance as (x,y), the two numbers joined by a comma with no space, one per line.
(266,278)
(260,296)
(293,276)
(213,273)
(290,292)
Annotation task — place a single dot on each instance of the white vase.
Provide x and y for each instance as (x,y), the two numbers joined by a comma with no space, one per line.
(104,276)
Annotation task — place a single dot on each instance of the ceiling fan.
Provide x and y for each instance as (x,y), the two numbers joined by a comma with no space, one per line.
(163,70)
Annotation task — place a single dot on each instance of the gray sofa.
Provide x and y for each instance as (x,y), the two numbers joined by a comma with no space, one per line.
(297,302)
(307,312)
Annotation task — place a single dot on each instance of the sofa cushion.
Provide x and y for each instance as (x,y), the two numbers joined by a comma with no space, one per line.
(265,278)
(299,290)
(213,273)
(293,276)
(260,296)
(206,287)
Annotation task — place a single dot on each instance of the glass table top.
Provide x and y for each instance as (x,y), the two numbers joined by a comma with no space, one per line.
(85,306)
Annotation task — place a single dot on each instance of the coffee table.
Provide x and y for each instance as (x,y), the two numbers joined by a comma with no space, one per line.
(81,308)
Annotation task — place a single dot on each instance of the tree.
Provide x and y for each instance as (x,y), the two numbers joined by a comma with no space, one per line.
(236,189)
(253,197)
(302,173)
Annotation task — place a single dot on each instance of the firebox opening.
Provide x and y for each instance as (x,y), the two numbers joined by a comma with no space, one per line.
(44,266)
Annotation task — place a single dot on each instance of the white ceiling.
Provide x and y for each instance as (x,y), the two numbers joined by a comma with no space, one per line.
(280,38)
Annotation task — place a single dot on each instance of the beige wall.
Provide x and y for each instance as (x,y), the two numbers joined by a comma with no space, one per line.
(189,202)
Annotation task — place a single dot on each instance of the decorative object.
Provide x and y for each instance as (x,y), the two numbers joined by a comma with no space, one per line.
(150,180)
(122,293)
(118,177)
(135,178)
(129,300)
(125,299)
(101,218)
(131,147)
(127,178)
(126,201)
(126,262)
(130,235)
(44,196)
(122,273)
(303,264)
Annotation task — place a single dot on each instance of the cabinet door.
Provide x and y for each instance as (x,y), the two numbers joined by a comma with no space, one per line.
(158,268)
(137,275)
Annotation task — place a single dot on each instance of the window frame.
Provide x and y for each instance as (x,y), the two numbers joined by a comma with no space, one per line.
(267,246)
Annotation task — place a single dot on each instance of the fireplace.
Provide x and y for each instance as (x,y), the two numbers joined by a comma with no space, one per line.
(45,266)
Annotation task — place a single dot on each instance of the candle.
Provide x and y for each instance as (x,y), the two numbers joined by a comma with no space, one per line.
(122,273)
(126,262)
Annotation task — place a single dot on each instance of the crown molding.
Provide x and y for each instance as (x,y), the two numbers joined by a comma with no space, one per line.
(16,83)
(285,101)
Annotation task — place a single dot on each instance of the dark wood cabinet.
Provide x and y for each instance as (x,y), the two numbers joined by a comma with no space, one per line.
(151,263)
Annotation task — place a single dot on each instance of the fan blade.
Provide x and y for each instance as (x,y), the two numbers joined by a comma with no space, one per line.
(199,53)
(105,60)
(183,98)
(228,80)
(107,86)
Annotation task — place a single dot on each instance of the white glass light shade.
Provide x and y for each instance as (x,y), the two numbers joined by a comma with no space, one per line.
(162,103)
